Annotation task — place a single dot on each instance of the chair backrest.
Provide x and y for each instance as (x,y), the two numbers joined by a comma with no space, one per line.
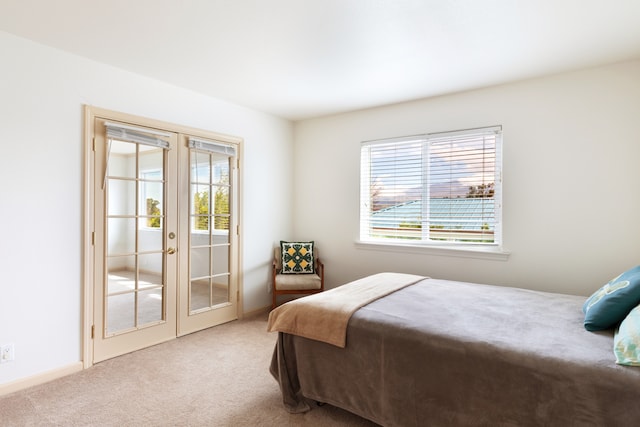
(277,255)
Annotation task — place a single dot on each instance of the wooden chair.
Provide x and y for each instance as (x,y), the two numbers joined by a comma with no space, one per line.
(295,284)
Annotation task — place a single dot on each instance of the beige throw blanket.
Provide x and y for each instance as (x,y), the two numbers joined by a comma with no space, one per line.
(324,316)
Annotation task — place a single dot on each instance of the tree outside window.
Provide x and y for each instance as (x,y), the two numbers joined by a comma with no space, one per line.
(151,188)
(153,211)
(201,210)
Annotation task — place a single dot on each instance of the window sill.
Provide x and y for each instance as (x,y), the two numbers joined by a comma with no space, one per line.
(489,253)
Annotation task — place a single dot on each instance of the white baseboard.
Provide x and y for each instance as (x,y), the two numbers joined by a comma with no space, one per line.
(38,379)
(258,312)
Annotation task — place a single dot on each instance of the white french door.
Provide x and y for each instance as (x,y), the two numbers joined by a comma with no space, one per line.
(164,238)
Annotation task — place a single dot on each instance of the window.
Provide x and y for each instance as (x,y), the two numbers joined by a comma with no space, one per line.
(434,189)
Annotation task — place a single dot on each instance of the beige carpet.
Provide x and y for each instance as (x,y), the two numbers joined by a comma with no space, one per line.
(216,377)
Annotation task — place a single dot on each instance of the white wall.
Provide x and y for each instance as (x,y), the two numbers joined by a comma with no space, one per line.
(42,92)
(571,180)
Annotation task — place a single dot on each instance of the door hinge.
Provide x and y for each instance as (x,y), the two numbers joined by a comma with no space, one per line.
(94,144)
(237,296)
(238,163)
(93,238)
(93,331)
(237,230)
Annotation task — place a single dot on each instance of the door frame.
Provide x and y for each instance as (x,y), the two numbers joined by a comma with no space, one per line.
(88,214)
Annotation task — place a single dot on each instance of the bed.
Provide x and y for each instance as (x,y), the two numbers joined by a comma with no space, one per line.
(446,353)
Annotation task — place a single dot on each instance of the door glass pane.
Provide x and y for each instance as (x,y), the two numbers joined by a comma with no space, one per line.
(121,236)
(221,207)
(220,259)
(120,312)
(121,197)
(200,168)
(121,274)
(122,159)
(200,294)
(151,200)
(151,158)
(220,165)
(135,218)
(221,238)
(199,262)
(200,207)
(221,289)
(149,306)
(150,270)
(150,238)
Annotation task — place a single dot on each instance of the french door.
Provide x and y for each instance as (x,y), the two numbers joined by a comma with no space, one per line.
(164,235)
(209,292)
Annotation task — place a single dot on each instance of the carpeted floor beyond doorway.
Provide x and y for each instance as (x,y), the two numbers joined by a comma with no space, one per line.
(216,377)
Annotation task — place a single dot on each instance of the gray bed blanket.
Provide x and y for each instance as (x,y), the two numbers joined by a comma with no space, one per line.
(444,353)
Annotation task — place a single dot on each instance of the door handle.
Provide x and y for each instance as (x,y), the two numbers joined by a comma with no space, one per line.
(171,251)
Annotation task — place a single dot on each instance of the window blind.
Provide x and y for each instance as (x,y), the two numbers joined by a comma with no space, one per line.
(137,135)
(212,147)
(441,188)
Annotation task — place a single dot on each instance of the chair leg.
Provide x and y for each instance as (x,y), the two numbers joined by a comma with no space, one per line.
(273,299)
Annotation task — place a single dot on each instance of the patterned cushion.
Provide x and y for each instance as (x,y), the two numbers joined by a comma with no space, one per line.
(626,341)
(610,304)
(297,257)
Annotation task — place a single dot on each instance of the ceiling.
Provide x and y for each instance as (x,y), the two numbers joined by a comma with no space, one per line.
(305,58)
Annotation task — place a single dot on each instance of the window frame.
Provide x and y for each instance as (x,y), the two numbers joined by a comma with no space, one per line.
(424,244)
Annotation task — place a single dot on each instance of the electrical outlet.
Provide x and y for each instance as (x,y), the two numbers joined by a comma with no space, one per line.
(7,353)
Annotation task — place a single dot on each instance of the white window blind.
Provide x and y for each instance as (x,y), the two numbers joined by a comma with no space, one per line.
(212,147)
(442,188)
(137,135)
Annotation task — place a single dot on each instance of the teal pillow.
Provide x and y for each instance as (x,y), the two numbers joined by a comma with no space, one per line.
(610,304)
(626,341)
(297,257)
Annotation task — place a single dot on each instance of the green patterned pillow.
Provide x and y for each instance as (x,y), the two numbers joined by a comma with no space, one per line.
(610,304)
(297,257)
(626,341)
